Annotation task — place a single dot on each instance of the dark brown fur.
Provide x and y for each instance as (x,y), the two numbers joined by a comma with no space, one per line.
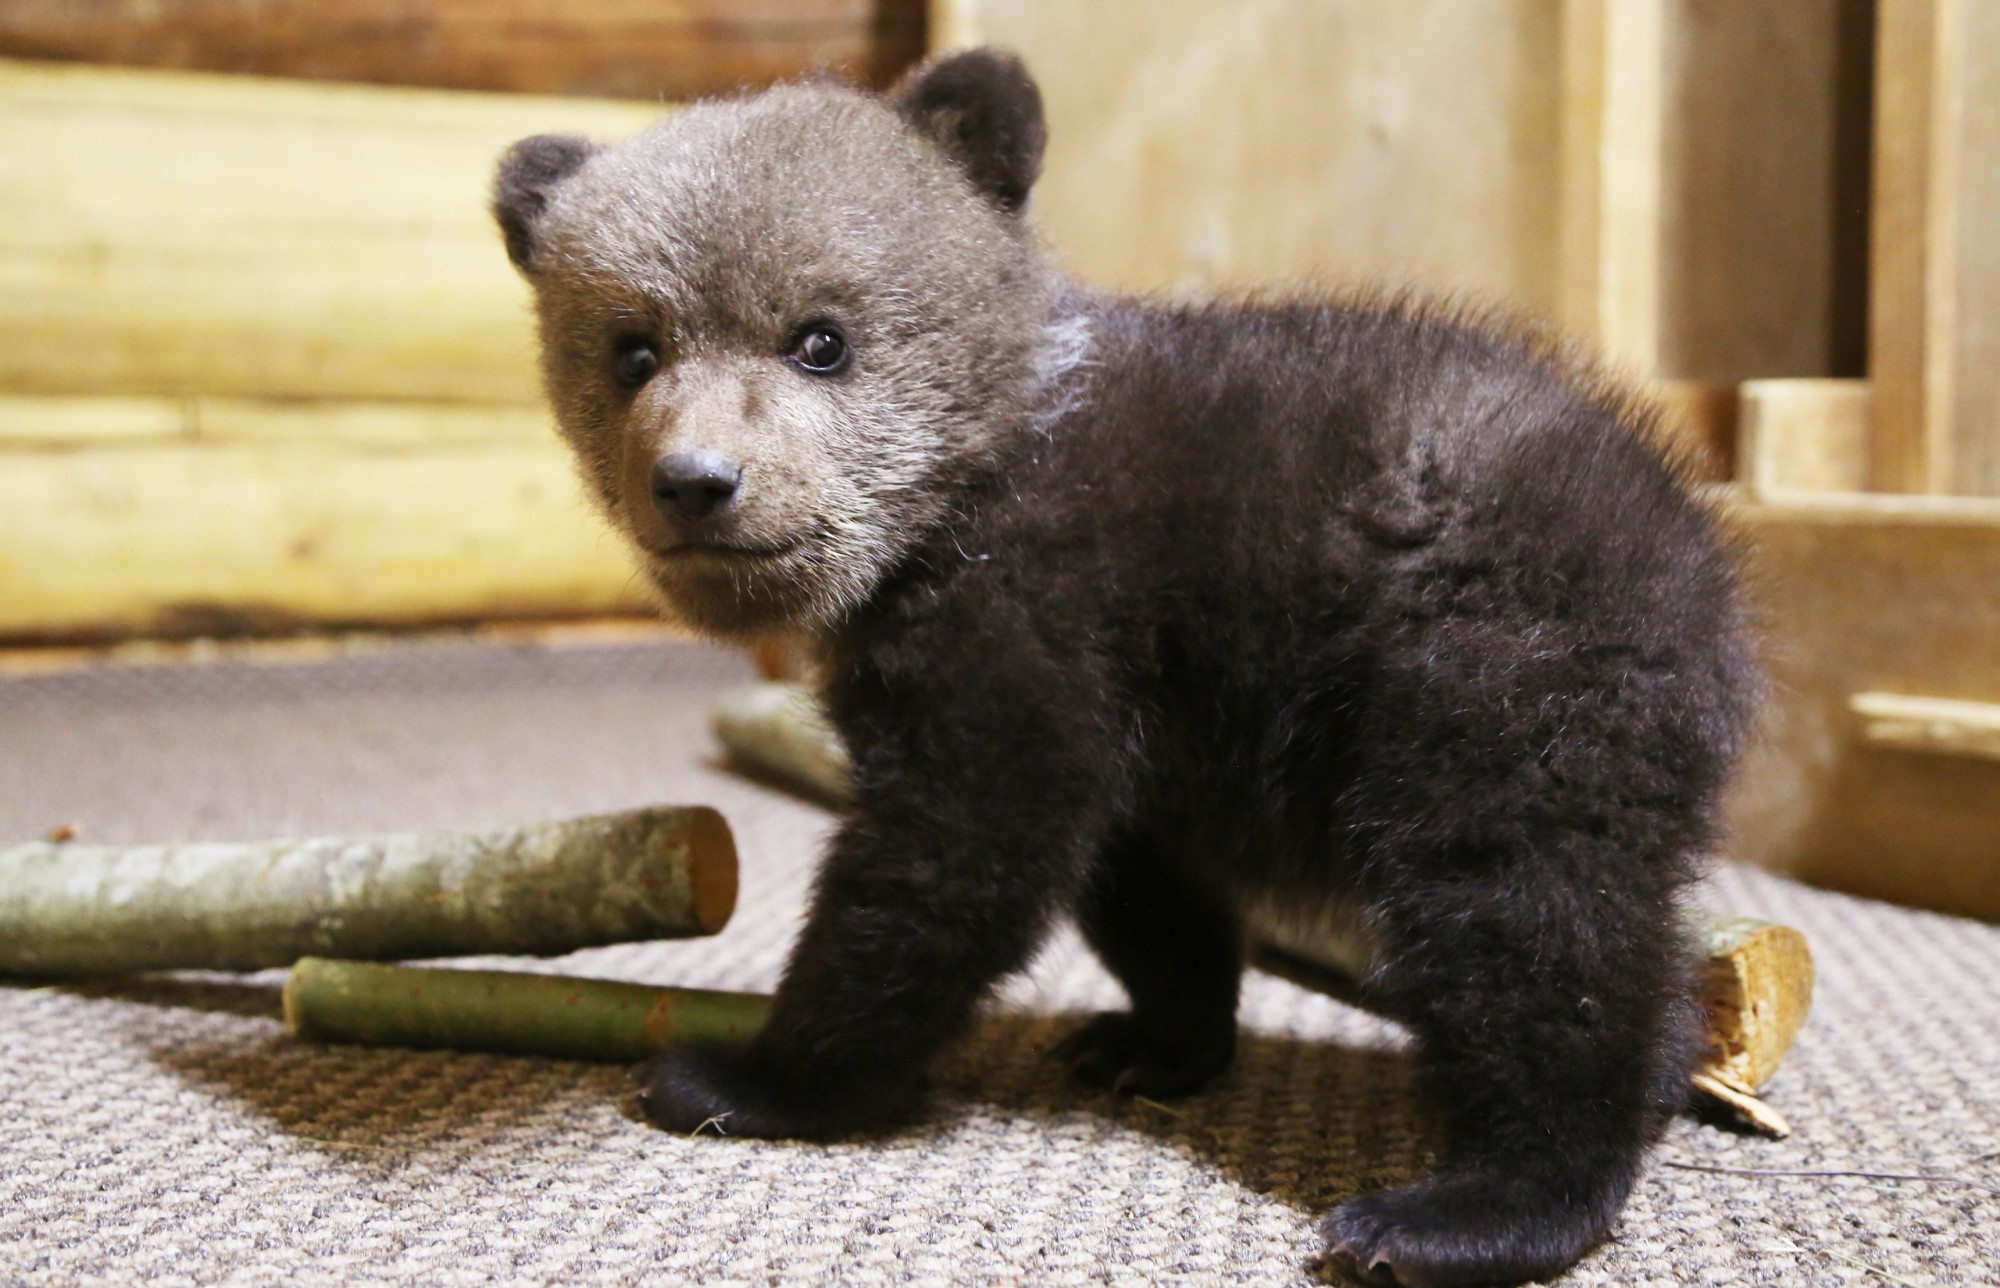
(1154,615)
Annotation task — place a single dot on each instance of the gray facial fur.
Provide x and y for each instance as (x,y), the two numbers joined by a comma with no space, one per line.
(716,237)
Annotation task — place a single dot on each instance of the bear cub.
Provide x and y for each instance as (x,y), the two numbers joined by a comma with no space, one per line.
(1202,624)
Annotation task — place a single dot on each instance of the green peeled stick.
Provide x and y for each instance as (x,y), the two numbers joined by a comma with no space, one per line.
(511,1012)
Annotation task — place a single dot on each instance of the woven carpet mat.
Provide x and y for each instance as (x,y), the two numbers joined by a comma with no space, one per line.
(166,1129)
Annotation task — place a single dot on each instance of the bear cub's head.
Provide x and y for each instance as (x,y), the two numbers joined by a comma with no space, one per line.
(780,332)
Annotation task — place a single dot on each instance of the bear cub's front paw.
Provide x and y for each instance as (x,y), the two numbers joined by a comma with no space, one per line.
(692,1089)
(1117,1052)
(731,1091)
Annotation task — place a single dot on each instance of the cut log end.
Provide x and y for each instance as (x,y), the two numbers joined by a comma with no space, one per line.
(712,869)
(1756,983)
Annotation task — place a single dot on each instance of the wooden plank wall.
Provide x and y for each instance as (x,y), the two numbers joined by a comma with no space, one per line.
(649,49)
(1683,179)
(1196,145)
(263,361)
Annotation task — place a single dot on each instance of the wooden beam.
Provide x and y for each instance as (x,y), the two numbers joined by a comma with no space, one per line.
(1765,141)
(1809,435)
(169,233)
(1913,242)
(189,538)
(657,49)
(1608,268)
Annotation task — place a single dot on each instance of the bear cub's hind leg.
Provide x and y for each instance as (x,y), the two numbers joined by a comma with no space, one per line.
(1177,950)
(1555,1031)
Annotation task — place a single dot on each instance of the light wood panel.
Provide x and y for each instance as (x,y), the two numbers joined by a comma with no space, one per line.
(649,49)
(1935,272)
(1914,234)
(1975,410)
(1873,593)
(1196,144)
(171,233)
(1609,270)
(1804,435)
(199,537)
(1764,188)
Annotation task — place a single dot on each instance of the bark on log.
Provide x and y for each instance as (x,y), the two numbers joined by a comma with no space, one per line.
(512,1012)
(775,728)
(79,910)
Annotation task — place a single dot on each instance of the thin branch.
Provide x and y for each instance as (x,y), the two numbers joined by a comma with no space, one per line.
(1929,1177)
(1856,1262)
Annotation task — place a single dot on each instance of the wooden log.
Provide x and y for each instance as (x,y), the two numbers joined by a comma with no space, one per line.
(775,728)
(181,538)
(172,233)
(649,49)
(512,1012)
(1755,982)
(1803,435)
(79,910)
(68,421)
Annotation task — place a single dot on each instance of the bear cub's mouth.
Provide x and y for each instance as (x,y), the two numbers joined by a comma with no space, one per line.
(697,547)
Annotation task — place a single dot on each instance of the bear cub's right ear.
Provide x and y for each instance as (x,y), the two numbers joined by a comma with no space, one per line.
(528,174)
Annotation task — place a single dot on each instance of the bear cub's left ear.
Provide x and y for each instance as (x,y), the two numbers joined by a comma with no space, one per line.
(529,172)
(983,110)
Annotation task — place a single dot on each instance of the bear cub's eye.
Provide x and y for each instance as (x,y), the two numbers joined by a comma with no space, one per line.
(820,349)
(636,362)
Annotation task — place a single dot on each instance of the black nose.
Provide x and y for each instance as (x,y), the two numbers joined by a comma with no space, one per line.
(694,485)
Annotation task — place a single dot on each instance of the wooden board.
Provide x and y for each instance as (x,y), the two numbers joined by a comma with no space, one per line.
(1975,408)
(1862,594)
(174,233)
(198,537)
(1764,159)
(1934,348)
(1803,435)
(1264,142)
(1910,271)
(1609,270)
(648,49)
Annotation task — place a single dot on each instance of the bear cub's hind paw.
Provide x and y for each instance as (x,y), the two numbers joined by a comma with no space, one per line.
(1116,1052)
(1461,1227)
